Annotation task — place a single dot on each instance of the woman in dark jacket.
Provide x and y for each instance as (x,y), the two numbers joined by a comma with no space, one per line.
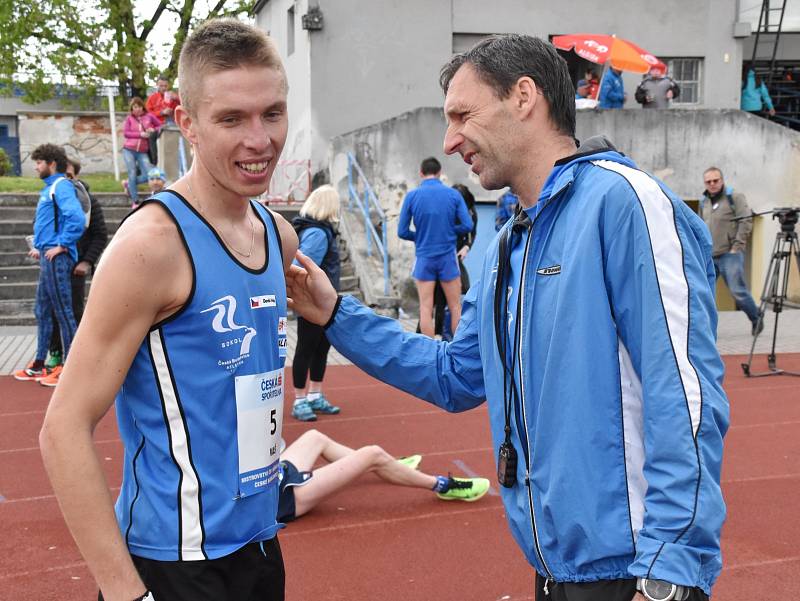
(315,227)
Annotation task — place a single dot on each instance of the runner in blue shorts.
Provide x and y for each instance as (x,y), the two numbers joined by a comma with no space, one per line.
(439,216)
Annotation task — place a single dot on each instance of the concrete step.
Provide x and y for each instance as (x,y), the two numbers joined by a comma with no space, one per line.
(28,213)
(348,282)
(25,228)
(14,244)
(347,269)
(26,319)
(16,307)
(17,290)
(30,199)
(19,273)
(11,259)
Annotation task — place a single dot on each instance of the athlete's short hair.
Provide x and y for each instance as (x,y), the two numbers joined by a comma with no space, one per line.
(322,204)
(218,45)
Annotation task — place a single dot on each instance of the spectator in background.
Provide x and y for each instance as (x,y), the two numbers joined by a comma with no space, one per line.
(593,84)
(316,231)
(58,224)
(137,129)
(506,207)
(163,102)
(612,90)
(727,216)
(439,215)
(657,90)
(90,246)
(156,180)
(755,96)
(441,316)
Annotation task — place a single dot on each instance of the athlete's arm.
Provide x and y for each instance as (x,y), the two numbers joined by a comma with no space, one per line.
(289,241)
(143,276)
(449,375)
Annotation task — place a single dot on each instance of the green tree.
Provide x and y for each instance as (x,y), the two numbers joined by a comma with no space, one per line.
(84,43)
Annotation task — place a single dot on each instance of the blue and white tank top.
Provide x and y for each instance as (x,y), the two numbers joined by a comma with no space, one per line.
(200,411)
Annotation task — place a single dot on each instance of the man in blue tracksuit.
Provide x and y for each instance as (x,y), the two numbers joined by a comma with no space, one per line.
(58,225)
(612,90)
(439,215)
(595,351)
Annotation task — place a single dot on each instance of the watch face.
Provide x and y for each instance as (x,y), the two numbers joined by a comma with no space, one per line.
(658,590)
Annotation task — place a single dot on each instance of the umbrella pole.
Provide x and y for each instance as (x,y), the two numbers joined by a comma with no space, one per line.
(602,77)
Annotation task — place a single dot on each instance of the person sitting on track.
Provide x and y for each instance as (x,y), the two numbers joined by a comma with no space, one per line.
(301,489)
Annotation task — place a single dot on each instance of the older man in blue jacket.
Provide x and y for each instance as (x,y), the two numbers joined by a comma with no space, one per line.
(590,335)
(612,90)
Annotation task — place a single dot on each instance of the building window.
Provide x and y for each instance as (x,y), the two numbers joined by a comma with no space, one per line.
(290,31)
(687,73)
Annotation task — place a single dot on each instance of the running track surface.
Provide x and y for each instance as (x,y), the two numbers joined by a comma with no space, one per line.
(377,542)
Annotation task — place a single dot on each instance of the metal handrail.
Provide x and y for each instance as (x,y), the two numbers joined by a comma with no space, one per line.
(370,201)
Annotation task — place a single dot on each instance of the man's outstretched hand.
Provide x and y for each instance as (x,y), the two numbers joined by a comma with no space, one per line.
(310,292)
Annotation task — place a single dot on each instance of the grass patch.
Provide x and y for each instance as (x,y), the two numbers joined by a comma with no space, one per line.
(98,182)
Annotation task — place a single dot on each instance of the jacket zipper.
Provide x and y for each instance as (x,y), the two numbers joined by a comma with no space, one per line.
(539,553)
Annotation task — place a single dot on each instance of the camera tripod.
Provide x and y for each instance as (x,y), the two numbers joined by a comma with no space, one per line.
(776,285)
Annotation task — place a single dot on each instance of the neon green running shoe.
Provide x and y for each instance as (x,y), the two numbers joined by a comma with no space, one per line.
(465,489)
(53,360)
(411,461)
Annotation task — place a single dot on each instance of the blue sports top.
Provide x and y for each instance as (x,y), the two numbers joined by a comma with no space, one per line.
(439,214)
(200,410)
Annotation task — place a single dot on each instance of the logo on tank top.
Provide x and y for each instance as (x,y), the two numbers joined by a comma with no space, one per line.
(238,337)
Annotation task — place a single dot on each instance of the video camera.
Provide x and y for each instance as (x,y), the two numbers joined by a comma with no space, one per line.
(786,216)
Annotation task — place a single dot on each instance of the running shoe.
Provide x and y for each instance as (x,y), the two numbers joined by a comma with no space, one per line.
(465,489)
(52,379)
(411,461)
(53,360)
(303,412)
(28,374)
(321,405)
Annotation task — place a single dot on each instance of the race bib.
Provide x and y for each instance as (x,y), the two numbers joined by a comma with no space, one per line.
(259,420)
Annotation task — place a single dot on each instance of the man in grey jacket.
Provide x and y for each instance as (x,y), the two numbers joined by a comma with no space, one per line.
(728,217)
(657,90)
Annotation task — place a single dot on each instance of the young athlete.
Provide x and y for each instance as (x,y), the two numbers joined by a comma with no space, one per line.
(302,489)
(186,326)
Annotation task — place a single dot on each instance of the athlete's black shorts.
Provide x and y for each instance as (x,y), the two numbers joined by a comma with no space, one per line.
(290,478)
(253,573)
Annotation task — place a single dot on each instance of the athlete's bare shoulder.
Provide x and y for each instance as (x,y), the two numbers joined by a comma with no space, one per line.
(288,236)
(147,259)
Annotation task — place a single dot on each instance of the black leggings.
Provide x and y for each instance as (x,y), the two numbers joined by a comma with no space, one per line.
(311,353)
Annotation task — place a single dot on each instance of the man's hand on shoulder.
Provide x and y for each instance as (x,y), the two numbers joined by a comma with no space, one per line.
(310,292)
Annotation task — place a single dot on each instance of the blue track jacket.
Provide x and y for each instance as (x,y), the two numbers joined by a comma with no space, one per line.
(621,411)
(612,91)
(440,215)
(67,228)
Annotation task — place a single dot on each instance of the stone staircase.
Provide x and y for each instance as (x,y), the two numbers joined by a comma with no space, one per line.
(19,274)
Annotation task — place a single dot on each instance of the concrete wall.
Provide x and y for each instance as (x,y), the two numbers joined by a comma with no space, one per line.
(759,158)
(375,60)
(84,135)
(273,19)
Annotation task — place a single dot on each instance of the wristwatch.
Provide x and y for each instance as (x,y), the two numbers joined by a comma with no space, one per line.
(661,590)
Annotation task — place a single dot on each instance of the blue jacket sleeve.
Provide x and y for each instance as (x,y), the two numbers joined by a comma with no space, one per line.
(765,98)
(71,219)
(404,230)
(449,375)
(464,225)
(659,276)
(313,244)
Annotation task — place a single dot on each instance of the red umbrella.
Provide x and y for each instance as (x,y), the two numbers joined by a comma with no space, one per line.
(601,48)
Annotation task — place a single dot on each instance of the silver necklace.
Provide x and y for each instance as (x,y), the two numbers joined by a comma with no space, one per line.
(228,244)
